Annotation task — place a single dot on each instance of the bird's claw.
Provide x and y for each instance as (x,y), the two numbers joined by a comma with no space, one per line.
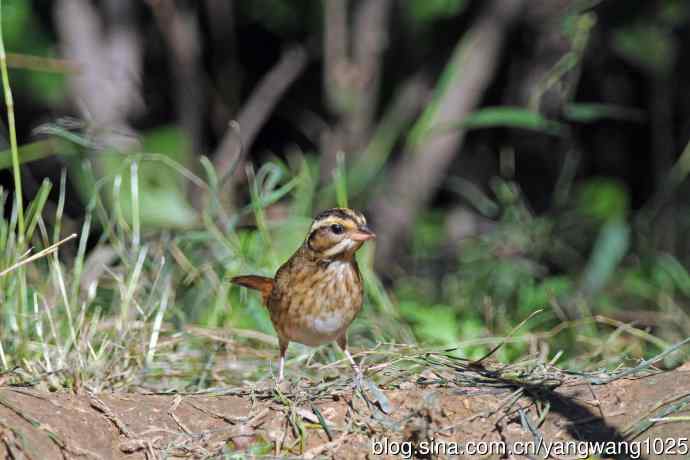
(358,379)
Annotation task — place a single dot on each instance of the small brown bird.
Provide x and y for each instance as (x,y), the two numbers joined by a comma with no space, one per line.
(317,293)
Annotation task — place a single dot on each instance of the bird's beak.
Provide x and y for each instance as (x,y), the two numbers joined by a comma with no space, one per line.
(362,234)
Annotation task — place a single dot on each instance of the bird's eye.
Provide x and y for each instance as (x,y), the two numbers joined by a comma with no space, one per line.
(337,229)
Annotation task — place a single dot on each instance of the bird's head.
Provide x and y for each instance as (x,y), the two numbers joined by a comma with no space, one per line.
(338,233)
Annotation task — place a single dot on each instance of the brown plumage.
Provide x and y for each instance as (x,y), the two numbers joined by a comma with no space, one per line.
(262,284)
(317,293)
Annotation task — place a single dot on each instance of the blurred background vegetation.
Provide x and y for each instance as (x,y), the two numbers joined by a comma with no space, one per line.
(511,155)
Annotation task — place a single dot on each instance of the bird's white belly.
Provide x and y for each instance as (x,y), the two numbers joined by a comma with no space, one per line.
(330,324)
(322,329)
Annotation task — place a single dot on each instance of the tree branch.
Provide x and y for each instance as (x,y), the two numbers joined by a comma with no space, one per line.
(258,108)
(181,31)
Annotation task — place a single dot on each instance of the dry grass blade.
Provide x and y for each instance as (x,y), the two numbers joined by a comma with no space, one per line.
(157,322)
(510,335)
(664,408)
(642,366)
(680,418)
(45,252)
(110,415)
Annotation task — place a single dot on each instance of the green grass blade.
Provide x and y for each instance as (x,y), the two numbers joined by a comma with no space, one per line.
(36,207)
(9,103)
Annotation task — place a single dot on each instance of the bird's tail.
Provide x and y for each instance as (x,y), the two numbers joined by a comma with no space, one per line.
(260,283)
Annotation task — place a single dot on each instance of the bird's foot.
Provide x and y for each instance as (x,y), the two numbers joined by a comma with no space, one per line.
(357,379)
(283,386)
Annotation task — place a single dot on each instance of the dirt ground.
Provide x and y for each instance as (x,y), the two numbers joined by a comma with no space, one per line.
(310,420)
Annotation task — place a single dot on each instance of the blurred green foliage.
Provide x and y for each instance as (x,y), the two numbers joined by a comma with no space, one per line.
(504,276)
(161,187)
(23,35)
(650,47)
(603,199)
(427,11)
(511,117)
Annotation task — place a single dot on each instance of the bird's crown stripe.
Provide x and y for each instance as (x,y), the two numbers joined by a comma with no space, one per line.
(328,221)
(342,213)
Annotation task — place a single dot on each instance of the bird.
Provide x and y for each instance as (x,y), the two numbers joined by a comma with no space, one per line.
(317,293)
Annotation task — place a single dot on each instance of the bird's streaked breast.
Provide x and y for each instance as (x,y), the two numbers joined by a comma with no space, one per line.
(320,310)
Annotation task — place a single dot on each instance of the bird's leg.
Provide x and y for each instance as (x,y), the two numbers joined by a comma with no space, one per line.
(342,343)
(352,361)
(283,350)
